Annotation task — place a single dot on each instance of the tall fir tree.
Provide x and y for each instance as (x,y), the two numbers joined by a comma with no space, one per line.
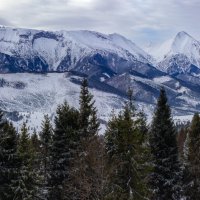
(192,161)
(88,120)
(63,142)
(89,126)
(26,187)
(35,142)
(9,160)
(86,165)
(181,138)
(166,176)
(45,136)
(126,153)
(35,150)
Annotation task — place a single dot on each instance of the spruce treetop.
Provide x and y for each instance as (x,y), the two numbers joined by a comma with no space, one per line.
(163,108)
(88,119)
(165,179)
(195,126)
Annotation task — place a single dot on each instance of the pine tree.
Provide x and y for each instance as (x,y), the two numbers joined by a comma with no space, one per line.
(88,114)
(9,161)
(85,159)
(166,174)
(46,135)
(181,138)
(64,137)
(85,176)
(126,150)
(46,142)
(35,142)
(192,162)
(35,150)
(26,187)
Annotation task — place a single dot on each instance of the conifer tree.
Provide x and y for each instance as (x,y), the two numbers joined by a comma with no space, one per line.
(26,186)
(85,162)
(165,179)
(126,152)
(192,162)
(35,142)
(88,159)
(86,177)
(46,135)
(35,151)
(9,161)
(63,142)
(181,138)
(88,120)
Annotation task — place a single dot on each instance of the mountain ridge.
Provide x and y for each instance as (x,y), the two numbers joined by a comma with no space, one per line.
(179,55)
(111,62)
(68,48)
(32,50)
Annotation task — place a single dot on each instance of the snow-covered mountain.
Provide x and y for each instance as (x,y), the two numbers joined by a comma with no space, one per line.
(111,62)
(180,55)
(25,50)
(27,96)
(93,53)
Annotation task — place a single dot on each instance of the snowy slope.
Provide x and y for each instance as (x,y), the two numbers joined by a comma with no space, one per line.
(111,62)
(178,55)
(61,50)
(181,95)
(188,46)
(159,51)
(182,43)
(92,53)
(27,97)
(124,43)
(41,95)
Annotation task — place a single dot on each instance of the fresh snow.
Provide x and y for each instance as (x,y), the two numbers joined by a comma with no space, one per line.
(159,51)
(54,48)
(131,47)
(43,93)
(183,46)
(162,79)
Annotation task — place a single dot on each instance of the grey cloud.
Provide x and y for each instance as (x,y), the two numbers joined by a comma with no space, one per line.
(5,22)
(139,20)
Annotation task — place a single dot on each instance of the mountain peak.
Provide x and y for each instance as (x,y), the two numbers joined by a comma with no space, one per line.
(183,52)
(61,50)
(183,38)
(182,34)
(183,43)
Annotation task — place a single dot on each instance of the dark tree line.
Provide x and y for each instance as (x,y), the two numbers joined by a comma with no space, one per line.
(131,161)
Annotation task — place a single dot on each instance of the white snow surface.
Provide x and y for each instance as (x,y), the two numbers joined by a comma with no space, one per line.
(159,51)
(54,48)
(43,93)
(182,43)
(162,79)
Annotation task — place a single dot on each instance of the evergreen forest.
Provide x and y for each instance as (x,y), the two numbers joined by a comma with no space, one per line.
(132,160)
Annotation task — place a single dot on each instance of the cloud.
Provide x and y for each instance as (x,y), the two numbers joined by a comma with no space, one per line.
(5,22)
(140,20)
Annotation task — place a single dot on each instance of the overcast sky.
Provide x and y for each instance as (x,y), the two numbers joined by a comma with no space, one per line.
(142,21)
